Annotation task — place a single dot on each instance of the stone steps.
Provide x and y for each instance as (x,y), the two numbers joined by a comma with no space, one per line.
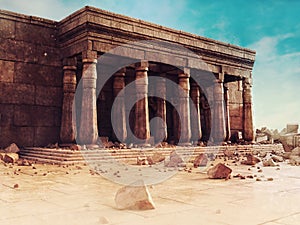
(65,156)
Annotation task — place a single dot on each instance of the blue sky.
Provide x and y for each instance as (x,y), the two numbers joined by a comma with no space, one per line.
(272,28)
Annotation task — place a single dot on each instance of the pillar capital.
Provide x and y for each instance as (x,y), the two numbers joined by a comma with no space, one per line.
(89,56)
(142,66)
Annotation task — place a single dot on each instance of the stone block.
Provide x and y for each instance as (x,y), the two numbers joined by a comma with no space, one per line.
(8,49)
(235,109)
(28,115)
(7,29)
(49,96)
(219,171)
(13,148)
(17,93)
(10,158)
(236,123)
(28,73)
(46,135)
(7,70)
(164,58)
(6,116)
(35,34)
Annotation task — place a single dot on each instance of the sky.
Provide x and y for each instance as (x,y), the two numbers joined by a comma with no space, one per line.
(270,27)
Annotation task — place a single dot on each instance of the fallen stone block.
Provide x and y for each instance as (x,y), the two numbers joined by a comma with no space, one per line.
(175,160)
(277,158)
(251,160)
(13,148)
(134,198)
(2,156)
(11,157)
(269,162)
(219,171)
(200,160)
(155,158)
(142,160)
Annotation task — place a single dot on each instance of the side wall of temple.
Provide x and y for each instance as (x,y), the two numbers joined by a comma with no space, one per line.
(30,81)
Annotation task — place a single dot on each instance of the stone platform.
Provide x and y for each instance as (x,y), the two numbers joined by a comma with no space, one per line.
(128,156)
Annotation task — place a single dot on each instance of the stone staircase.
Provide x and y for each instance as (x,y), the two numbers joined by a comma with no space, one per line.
(128,156)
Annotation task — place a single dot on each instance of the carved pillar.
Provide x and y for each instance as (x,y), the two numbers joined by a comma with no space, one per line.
(247,103)
(219,127)
(88,123)
(142,126)
(195,113)
(68,118)
(161,111)
(227,117)
(119,116)
(184,108)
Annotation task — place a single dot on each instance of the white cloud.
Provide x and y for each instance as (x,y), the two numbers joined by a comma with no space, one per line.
(276,84)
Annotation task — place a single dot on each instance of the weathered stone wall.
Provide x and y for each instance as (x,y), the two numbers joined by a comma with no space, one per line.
(30,81)
(236,106)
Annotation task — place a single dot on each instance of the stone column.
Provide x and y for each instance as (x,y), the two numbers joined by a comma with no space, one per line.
(219,126)
(119,116)
(184,108)
(161,132)
(195,113)
(227,118)
(68,118)
(247,103)
(88,124)
(142,126)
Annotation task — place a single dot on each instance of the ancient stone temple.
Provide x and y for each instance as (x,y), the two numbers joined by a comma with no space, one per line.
(43,62)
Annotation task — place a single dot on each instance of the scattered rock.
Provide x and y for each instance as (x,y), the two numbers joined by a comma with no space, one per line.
(11,157)
(134,197)
(13,148)
(294,160)
(200,160)
(277,158)
(220,171)
(142,160)
(270,179)
(16,186)
(251,160)
(175,160)
(269,162)
(103,220)
(75,147)
(258,179)
(155,158)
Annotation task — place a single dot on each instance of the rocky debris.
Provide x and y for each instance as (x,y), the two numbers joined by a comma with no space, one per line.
(10,157)
(251,160)
(200,160)
(134,198)
(220,171)
(23,162)
(56,145)
(16,186)
(155,158)
(293,156)
(75,147)
(13,148)
(2,155)
(277,158)
(175,160)
(142,160)
(269,162)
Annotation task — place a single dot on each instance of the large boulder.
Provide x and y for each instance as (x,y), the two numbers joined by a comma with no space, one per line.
(11,158)
(219,171)
(13,148)
(200,160)
(134,198)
